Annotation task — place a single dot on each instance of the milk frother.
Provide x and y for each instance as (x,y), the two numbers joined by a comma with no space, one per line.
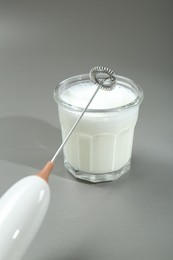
(24,206)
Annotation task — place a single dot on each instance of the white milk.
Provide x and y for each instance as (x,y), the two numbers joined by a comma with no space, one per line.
(102,142)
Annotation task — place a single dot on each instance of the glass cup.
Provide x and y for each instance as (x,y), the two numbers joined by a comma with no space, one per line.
(100,147)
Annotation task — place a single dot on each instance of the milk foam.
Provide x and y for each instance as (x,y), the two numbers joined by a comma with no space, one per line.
(80,94)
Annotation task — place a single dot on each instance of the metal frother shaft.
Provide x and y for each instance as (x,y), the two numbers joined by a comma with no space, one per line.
(105,79)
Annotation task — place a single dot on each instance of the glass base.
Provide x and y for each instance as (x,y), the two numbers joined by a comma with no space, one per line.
(95,178)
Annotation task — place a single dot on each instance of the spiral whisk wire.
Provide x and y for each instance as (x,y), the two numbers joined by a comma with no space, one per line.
(103,77)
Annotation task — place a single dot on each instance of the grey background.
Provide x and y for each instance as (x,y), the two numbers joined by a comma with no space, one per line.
(44,42)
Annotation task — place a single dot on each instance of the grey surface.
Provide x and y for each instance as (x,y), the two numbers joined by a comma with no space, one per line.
(44,42)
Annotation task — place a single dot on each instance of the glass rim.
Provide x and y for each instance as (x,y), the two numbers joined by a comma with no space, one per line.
(67,82)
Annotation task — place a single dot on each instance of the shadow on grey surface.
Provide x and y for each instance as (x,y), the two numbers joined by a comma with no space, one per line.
(75,257)
(29,141)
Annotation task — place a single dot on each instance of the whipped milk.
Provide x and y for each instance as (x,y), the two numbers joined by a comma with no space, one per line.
(102,141)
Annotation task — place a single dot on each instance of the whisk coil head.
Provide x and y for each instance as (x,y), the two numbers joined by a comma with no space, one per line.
(104,77)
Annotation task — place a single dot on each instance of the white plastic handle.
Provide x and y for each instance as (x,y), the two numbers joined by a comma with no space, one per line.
(22,210)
